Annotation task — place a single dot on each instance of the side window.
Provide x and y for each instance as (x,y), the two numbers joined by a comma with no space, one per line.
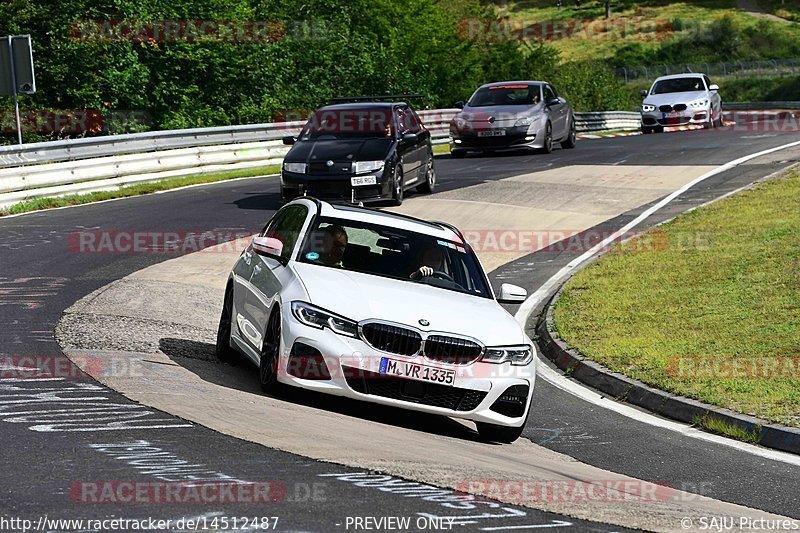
(416,123)
(548,93)
(555,92)
(708,81)
(286,227)
(404,120)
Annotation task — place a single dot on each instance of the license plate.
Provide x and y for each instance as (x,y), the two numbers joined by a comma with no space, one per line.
(363,180)
(403,369)
(672,114)
(491,133)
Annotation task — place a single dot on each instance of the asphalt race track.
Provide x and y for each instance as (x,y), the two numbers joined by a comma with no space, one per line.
(57,445)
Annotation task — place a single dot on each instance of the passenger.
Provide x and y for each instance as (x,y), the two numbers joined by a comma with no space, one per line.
(334,243)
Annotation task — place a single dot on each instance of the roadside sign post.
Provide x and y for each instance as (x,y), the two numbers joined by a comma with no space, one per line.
(16,71)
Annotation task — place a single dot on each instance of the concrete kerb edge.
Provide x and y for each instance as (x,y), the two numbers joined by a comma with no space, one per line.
(631,391)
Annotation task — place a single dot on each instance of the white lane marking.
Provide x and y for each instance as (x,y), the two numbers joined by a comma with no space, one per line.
(554,523)
(590,396)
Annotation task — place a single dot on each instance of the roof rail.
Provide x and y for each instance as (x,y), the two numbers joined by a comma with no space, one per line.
(378,98)
(349,205)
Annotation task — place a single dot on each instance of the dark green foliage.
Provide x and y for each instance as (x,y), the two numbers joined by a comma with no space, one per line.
(325,48)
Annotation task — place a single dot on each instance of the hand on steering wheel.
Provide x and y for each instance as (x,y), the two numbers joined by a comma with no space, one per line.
(441,275)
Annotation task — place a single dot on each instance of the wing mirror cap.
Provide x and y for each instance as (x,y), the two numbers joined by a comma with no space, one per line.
(289,140)
(268,246)
(511,294)
(459,105)
(713,87)
(411,137)
(643,93)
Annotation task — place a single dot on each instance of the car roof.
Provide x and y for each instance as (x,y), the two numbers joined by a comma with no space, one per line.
(677,76)
(361,105)
(498,83)
(384,218)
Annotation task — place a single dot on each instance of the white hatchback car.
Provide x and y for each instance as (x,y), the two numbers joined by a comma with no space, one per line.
(379,307)
(680,100)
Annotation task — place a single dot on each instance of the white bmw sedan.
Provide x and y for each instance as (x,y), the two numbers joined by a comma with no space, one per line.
(379,307)
(680,100)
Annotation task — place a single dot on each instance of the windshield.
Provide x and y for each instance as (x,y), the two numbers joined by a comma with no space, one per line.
(521,94)
(393,253)
(678,85)
(348,123)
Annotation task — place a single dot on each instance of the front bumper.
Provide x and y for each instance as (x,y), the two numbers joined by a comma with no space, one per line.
(338,187)
(515,138)
(353,372)
(656,118)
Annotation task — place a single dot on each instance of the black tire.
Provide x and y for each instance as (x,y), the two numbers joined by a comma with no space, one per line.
(659,129)
(646,130)
(495,433)
(457,154)
(223,349)
(430,178)
(548,139)
(270,351)
(572,137)
(397,187)
(709,124)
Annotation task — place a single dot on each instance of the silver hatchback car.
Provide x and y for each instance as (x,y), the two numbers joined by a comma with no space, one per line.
(512,115)
(680,100)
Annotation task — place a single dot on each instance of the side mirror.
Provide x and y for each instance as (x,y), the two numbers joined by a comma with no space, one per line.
(411,137)
(643,93)
(511,294)
(553,101)
(713,87)
(459,105)
(268,246)
(290,140)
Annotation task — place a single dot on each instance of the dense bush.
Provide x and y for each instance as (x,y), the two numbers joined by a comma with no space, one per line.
(725,39)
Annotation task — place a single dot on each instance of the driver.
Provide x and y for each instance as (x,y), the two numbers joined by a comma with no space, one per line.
(432,260)
(334,242)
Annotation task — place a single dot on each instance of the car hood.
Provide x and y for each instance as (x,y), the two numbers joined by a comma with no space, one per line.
(503,115)
(363,296)
(339,150)
(675,98)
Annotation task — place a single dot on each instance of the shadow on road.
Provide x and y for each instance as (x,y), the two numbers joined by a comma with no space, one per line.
(198,358)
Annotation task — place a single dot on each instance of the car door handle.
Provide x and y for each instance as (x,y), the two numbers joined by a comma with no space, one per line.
(257,269)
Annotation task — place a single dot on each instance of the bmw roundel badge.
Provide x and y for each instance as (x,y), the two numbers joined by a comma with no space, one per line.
(423,322)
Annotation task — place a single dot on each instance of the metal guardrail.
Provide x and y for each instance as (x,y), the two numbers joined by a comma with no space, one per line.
(82,165)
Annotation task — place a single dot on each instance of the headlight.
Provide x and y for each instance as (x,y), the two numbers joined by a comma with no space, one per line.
(524,121)
(699,104)
(516,355)
(317,317)
(298,168)
(647,107)
(460,123)
(367,166)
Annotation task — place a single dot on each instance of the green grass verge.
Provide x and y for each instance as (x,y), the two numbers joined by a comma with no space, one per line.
(707,306)
(37,204)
